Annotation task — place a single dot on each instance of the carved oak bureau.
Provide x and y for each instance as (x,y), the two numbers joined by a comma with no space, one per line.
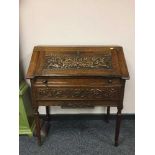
(82,76)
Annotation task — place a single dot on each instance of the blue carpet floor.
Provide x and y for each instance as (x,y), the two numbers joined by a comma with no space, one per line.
(82,137)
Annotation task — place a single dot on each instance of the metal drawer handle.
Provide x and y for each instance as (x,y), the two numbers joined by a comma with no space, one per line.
(109,81)
(44,82)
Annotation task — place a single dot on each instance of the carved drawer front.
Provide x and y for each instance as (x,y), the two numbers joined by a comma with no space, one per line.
(78,93)
(82,82)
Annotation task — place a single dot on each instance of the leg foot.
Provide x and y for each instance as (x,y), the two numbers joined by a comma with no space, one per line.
(39,143)
(116,144)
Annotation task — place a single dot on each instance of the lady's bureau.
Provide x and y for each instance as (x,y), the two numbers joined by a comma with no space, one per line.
(81,76)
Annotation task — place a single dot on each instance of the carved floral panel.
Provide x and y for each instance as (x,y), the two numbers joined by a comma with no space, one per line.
(60,62)
(79,93)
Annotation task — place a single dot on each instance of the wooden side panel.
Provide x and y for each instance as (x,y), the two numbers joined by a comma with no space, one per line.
(32,66)
(123,65)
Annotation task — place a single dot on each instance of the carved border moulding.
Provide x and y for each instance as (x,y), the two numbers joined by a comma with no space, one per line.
(82,93)
(62,62)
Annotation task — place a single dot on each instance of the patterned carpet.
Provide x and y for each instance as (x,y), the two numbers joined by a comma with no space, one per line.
(82,137)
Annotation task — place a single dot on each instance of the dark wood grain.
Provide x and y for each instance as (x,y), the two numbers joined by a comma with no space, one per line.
(77,77)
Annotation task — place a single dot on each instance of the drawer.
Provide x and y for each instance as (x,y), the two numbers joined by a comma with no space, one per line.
(82,82)
(78,93)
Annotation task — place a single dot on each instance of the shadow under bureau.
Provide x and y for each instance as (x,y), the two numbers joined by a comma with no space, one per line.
(77,77)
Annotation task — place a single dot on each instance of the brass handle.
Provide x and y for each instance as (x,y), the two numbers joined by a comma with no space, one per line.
(109,81)
(44,82)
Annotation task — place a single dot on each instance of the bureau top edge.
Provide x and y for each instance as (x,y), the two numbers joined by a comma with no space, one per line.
(77,76)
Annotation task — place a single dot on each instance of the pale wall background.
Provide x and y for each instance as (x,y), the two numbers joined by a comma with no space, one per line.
(79,22)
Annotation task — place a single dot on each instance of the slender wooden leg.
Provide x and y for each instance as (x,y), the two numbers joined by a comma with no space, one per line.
(118,122)
(47,113)
(37,122)
(108,114)
(46,125)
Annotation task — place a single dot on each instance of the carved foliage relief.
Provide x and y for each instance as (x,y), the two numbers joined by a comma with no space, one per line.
(79,93)
(60,62)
